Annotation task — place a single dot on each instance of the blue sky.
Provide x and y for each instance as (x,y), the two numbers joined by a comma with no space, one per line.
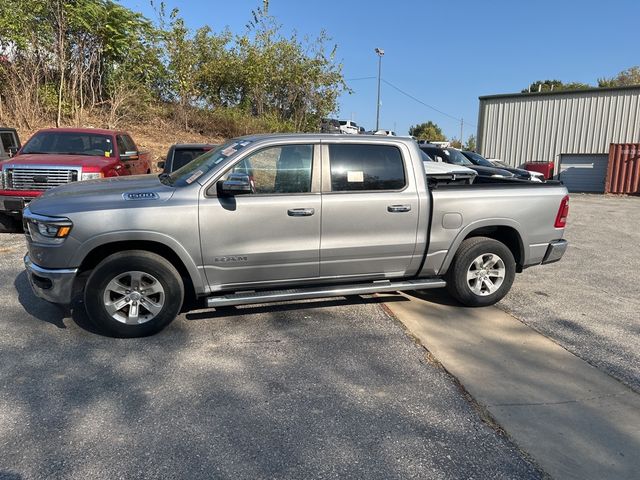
(445,53)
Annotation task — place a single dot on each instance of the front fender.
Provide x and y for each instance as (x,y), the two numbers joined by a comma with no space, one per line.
(191,264)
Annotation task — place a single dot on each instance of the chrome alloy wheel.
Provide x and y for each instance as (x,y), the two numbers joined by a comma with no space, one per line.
(134,297)
(486,274)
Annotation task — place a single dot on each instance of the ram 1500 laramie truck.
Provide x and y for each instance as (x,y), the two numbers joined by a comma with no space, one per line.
(57,156)
(284,217)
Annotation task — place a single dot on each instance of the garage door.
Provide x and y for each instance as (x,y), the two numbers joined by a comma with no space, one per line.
(584,173)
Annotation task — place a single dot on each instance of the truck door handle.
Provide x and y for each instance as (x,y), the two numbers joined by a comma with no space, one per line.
(399,208)
(300,212)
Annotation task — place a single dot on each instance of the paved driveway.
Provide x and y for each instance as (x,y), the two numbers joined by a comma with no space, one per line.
(332,390)
(590,302)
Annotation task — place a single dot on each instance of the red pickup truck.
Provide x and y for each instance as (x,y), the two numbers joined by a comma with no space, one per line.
(57,156)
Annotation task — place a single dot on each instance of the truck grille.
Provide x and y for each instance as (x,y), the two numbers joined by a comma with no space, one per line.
(37,178)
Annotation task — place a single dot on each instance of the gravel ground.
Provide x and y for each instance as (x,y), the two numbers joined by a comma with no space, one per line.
(589,301)
(330,389)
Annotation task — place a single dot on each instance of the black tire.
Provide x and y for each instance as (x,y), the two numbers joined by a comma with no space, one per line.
(154,267)
(9,224)
(471,249)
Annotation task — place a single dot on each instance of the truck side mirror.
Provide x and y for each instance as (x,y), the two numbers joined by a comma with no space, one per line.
(236,184)
(130,155)
(161,165)
(12,151)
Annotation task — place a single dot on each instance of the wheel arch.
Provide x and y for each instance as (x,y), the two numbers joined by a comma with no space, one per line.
(505,231)
(91,254)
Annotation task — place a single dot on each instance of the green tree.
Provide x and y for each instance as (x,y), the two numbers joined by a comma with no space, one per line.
(455,143)
(554,85)
(630,76)
(471,143)
(427,131)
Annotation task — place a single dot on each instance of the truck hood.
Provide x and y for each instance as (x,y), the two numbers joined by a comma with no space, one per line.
(58,159)
(103,194)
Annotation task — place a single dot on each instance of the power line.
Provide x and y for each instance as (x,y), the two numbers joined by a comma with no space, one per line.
(424,103)
(457,119)
(360,78)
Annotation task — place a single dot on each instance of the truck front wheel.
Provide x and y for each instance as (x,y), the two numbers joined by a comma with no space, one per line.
(133,294)
(481,273)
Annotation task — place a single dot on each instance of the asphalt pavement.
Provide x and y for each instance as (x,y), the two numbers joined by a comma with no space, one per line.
(589,301)
(323,389)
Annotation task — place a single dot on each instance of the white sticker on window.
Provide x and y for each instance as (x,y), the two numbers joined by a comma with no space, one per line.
(355,176)
(194,176)
(229,150)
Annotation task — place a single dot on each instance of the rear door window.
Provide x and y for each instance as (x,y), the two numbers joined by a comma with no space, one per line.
(362,167)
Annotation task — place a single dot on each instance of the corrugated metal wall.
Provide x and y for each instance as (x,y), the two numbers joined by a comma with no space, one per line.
(541,126)
(623,175)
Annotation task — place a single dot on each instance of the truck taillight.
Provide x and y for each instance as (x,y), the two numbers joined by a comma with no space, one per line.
(563,213)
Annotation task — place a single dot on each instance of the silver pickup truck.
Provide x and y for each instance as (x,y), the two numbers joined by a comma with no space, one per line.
(284,217)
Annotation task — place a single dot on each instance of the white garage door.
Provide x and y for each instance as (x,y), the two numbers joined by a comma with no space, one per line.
(584,173)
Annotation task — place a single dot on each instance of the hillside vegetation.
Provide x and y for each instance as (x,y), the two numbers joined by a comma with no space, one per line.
(97,63)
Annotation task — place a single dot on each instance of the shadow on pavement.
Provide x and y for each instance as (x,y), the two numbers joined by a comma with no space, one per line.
(438,296)
(292,306)
(50,312)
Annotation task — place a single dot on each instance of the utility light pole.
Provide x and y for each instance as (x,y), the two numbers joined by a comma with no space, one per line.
(380,54)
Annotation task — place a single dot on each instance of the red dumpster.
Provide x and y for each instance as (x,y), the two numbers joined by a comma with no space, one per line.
(545,168)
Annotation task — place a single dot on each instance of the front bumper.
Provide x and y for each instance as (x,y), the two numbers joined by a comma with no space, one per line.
(53,285)
(14,204)
(555,251)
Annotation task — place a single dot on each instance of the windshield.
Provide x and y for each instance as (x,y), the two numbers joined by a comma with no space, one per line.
(448,155)
(478,159)
(70,143)
(204,163)
(457,158)
(425,157)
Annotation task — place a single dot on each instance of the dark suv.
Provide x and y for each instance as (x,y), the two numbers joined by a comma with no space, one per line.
(479,160)
(182,153)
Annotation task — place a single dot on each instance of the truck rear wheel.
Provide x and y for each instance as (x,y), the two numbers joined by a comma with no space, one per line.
(133,294)
(481,273)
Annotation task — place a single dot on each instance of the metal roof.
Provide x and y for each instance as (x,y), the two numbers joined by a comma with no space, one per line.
(560,92)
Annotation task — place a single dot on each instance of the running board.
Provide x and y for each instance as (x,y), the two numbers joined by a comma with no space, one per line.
(246,298)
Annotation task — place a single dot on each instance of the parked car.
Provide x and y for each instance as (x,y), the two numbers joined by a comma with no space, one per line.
(9,142)
(454,156)
(243,224)
(390,133)
(57,156)
(349,127)
(439,173)
(519,173)
(182,153)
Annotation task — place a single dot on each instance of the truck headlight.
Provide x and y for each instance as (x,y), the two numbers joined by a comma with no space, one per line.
(91,175)
(47,230)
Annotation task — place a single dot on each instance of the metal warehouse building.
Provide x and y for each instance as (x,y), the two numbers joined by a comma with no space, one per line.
(574,129)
